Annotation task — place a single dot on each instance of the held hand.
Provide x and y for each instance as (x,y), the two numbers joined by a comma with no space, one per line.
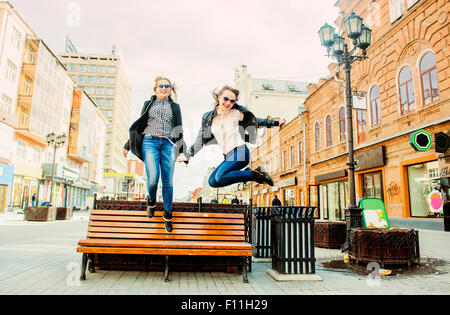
(125,153)
(181,158)
(282,123)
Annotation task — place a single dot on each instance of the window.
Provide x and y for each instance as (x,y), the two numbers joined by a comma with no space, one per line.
(410,3)
(101,80)
(112,69)
(109,91)
(6,103)
(329,133)
(72,67)
(83,68)
(396,9)
(102,69)
(109,102)
(100,91)
(268,86)
(300,153)
(21,147)
(92,68)
(11,71)
(361,125)
(37,155)
(428,74)
(284,160)
(342,124)
(406,87)
(81,79)
(317,136)
(90,90)
(291,156)
(16,38)
(111,80)
(375,106)
(91,79)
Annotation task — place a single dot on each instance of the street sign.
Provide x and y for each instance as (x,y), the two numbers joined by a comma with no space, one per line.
(420,140)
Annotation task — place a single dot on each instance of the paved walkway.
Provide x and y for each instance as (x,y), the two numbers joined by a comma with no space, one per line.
(41,258)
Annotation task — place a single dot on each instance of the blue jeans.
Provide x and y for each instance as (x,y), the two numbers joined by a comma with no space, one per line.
(229,171)
(159,157)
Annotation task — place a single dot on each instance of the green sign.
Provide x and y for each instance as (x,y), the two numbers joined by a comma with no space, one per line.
(420,140)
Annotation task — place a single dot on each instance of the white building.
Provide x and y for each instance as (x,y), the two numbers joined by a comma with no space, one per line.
(268,97)
(13,33)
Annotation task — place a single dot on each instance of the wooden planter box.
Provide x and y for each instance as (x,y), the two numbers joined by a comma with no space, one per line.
(385,246)
(329,234)
(40,214)
(64,213)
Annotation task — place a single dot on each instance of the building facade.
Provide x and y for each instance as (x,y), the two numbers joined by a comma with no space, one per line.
(13,34)
(406,87)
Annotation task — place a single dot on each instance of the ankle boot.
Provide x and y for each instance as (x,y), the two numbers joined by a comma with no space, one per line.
(262,177)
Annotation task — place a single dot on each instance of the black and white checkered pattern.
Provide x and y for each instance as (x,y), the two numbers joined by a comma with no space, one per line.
(159,119)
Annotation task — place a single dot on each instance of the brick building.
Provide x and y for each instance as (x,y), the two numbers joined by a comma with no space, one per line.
(406,82)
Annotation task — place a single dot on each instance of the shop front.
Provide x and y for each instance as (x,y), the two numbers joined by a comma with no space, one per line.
(333,195)
(370,173)
(25,185)
(6,180)
(426,182)
(288,188)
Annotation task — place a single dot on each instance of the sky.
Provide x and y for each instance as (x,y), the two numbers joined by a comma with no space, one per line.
(197,43)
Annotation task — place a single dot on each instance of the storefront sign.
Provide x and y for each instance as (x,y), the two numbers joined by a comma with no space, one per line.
(288,182)
(370,159)
(420,140)
(333,175)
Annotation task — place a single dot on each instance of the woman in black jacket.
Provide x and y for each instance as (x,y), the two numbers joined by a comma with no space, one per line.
(231,126)
(156,138)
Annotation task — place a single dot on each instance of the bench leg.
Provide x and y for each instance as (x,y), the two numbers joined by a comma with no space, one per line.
(244,269)
(91,263)
(83,266)
(166,272)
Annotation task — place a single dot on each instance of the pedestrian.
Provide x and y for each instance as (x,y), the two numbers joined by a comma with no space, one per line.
(276,201)
(33,200)
(214,200)
(235,200)
(231,126)
(156,138)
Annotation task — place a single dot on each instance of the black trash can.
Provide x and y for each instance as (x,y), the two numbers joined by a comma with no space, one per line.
(293,240)
(447,216)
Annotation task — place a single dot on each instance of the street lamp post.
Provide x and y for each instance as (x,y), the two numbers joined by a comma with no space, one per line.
(336,45)
(56,141)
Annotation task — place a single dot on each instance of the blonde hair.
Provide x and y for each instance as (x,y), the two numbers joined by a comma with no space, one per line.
(173,93)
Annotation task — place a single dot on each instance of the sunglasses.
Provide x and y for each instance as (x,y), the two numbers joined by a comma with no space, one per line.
(226,99)
(163,86)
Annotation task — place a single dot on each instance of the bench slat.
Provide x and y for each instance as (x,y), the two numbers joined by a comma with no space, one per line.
(158,225)
(169,251)
(177,230)
(160,219)
(175,214)
(165,235)
(164,244)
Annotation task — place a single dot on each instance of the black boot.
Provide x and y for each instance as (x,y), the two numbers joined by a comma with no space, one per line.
(151,205)
(262,177)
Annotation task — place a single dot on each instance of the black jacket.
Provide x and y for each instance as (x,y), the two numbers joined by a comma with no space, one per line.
(276,202)
(249,125)
(137,128)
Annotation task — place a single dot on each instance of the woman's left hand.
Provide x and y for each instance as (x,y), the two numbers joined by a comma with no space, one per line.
(282,123)
(181,158)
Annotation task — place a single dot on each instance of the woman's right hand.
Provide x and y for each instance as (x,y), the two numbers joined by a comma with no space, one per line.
(125,153)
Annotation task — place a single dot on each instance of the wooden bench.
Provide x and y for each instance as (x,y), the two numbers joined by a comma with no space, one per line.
(194,233)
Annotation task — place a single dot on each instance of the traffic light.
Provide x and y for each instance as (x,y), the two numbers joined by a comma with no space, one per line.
(420,140)
(441,142)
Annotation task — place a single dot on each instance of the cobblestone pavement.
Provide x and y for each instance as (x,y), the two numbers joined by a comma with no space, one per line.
(41,258)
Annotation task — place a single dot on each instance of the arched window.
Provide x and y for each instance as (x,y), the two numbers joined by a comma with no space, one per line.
(317,136)
(328,131)
(428,75)
(361,125)
(342,124)
(375,105)
(406,87)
